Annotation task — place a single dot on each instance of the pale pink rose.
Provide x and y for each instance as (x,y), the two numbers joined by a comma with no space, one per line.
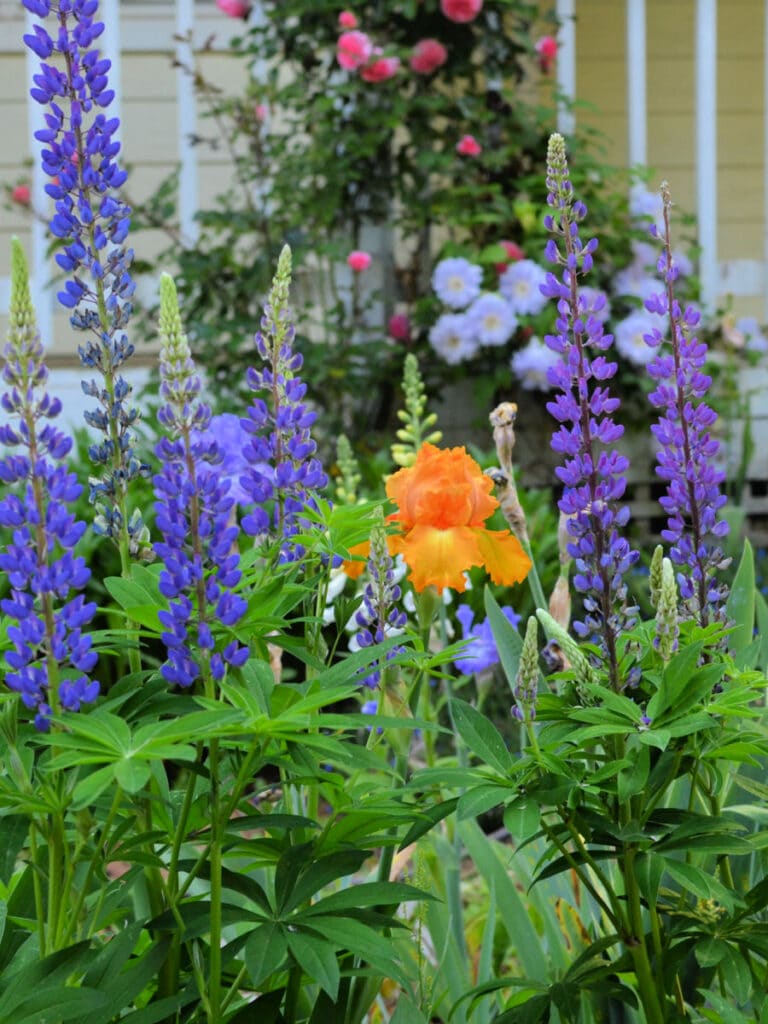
(260,112)
(428,55)
(461,10)
(513,251)
(546,48)
(353,50)
(21,195)
(468,146)
(234,8)
(380,69)
(347,20)
(358,260)
(399,327)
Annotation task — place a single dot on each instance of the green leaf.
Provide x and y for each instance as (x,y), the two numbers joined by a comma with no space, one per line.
(347,933)
(740,606)
(649,869)
(631,781)
(407,1012)
(14,829)
(761,610)
(694,880)
(480,799)
(513,910)
(92,786)
(428,818)
(481,736)
(265,950)
(367,894)
(317,959)
(132,775)
(509,644)
(521,819)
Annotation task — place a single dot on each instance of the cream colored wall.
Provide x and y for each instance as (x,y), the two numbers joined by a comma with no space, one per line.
(601,82)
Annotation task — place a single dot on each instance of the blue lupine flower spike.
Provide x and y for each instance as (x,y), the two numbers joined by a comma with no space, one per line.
(687,452)
(79,154)
(593,473)
(284,472)
(51,661)
(379,616)
(196,518)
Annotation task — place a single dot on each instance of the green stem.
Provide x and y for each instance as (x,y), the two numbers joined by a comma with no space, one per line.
(215,859)
(98,847)
(37,888)
(647,987)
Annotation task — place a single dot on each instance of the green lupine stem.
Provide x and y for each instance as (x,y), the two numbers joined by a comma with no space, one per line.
(215,858)
(649,993)
(98,847)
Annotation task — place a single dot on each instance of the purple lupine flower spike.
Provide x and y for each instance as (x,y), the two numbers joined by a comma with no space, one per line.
(79,153)
(379,617)
(593,471)
(52,658)
(195,517)
(687,450)
(283,470)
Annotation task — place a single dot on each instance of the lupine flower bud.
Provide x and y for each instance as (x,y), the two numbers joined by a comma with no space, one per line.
(655,575)
(527,682)
(667,629)
(570,648)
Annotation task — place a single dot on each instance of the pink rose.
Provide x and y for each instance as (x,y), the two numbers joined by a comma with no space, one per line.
(399,327)
(21,195)
(353,50)
(546,48)
(358,260)
(260,112)
(468,146)
(380,69)
(461,10)
(428,55)
(513,251)
(234,8)
(347,20)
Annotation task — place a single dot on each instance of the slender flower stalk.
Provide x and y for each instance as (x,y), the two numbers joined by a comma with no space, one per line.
(283,470)
(52,658)
(685,459)
(198,546)
(79,153)
(593,472)
(379,617)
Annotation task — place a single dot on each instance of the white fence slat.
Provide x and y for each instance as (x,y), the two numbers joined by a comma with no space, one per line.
(637,92)
(39,267)
(186,120)
(706,147)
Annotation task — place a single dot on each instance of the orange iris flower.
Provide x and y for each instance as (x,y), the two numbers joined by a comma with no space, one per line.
(443,500)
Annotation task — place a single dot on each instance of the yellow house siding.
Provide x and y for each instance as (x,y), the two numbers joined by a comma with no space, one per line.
(601,48)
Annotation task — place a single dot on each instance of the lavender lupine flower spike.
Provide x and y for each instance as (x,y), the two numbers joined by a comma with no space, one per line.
(378,617)
(79,153)
(195,517)
(686,456)
(283,469)
(51,659)
(593,472)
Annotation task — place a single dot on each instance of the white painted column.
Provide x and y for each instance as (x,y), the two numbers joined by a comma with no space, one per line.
(186,121)
(110,46)
(637,89)
(39,268)
(706,147)
(765,159)
(566,63)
